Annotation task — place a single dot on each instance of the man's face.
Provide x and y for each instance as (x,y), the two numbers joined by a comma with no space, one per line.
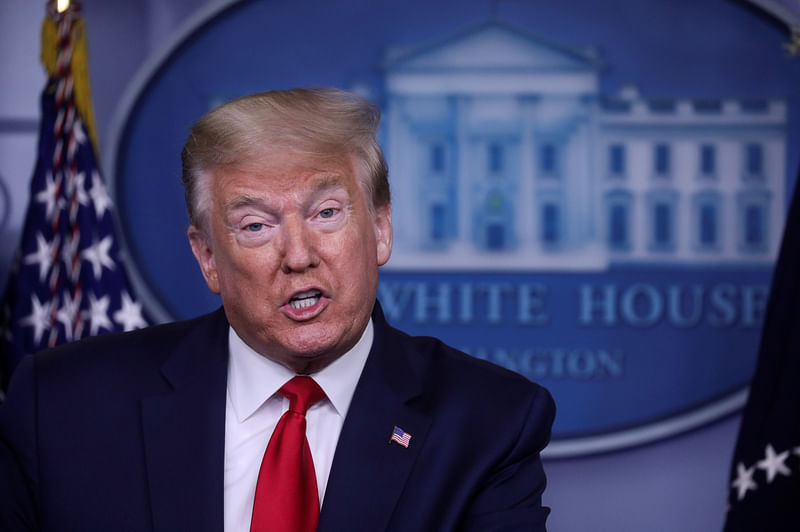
(293,249)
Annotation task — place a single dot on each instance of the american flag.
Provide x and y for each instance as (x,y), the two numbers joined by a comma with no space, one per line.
(400,436)
(764,488)
(67,281)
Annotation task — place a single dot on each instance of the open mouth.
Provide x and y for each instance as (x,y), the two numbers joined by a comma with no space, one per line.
(305,299)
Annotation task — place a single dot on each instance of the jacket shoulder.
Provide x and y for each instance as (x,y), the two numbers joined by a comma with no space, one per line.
(469,377)
(126,355)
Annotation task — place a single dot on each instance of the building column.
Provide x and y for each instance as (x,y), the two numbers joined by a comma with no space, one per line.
(463,239)
(526,218)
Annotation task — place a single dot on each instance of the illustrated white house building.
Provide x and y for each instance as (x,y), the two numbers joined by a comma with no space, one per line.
(504,154)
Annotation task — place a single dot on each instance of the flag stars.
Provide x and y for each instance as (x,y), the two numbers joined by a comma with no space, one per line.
(68,253)
(774,463)
(39,318)
(67,313)
(744,480)
(100,198)
(130,314)
(65,282)
(43,256)
(98,314)
(98,255)
(49,196)
(76,186)
(79,137)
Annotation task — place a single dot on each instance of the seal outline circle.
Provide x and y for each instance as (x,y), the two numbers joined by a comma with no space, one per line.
(568,447)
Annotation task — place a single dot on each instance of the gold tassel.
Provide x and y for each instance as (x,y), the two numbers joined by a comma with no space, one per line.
(80,69)
(49,45)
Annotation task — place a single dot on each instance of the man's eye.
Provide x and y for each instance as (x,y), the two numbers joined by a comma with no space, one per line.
(254,227)
(327,213)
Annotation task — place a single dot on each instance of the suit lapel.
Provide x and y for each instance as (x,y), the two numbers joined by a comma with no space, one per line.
(184,432)
(369,470)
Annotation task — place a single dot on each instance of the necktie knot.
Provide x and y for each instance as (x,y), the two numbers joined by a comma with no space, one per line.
(303,392)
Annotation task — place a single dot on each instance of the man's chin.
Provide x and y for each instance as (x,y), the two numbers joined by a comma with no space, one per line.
(310,357)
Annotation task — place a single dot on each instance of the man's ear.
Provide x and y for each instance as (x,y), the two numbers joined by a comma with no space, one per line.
(383,233)
(204,253)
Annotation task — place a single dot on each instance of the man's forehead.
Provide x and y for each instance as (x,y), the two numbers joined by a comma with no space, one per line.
(301,154)
(293,163)
(274,177)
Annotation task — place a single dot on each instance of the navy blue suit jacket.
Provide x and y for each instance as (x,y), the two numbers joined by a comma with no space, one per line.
(126,432)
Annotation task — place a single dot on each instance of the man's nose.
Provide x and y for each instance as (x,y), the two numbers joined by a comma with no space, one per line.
(298,247)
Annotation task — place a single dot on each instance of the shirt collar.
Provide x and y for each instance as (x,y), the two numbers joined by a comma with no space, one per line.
(253,378)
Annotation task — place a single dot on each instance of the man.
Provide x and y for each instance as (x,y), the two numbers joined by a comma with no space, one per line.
(176,427)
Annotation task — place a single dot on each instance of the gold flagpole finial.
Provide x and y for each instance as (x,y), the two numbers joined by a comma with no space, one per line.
(60,8)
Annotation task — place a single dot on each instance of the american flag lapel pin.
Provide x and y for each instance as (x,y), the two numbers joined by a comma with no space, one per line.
(400,436)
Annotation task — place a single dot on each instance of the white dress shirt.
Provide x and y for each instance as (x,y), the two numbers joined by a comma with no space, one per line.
(254,406)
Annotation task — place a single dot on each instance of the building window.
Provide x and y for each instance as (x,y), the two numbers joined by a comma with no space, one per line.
(616,160)
(548,159)
(754,160)
(438,222)
(494,223)
(753,226)
(662,163)
(708,225)
(662,206)
(708,160)
(437,164)
(618,220)
(662,224)
(496,158)
(753,210)
(550,229)
(618,226)
(495,236)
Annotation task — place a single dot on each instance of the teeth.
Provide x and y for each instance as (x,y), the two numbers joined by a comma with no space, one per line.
(305,300)
(307,293)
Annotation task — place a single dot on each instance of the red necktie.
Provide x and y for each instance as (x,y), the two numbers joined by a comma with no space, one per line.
(286,492)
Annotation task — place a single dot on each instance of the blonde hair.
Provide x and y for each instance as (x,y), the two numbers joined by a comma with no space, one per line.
(320,123)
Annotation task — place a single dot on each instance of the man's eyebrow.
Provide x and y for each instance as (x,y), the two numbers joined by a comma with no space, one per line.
(322,184)
(327,182)
(245,200)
